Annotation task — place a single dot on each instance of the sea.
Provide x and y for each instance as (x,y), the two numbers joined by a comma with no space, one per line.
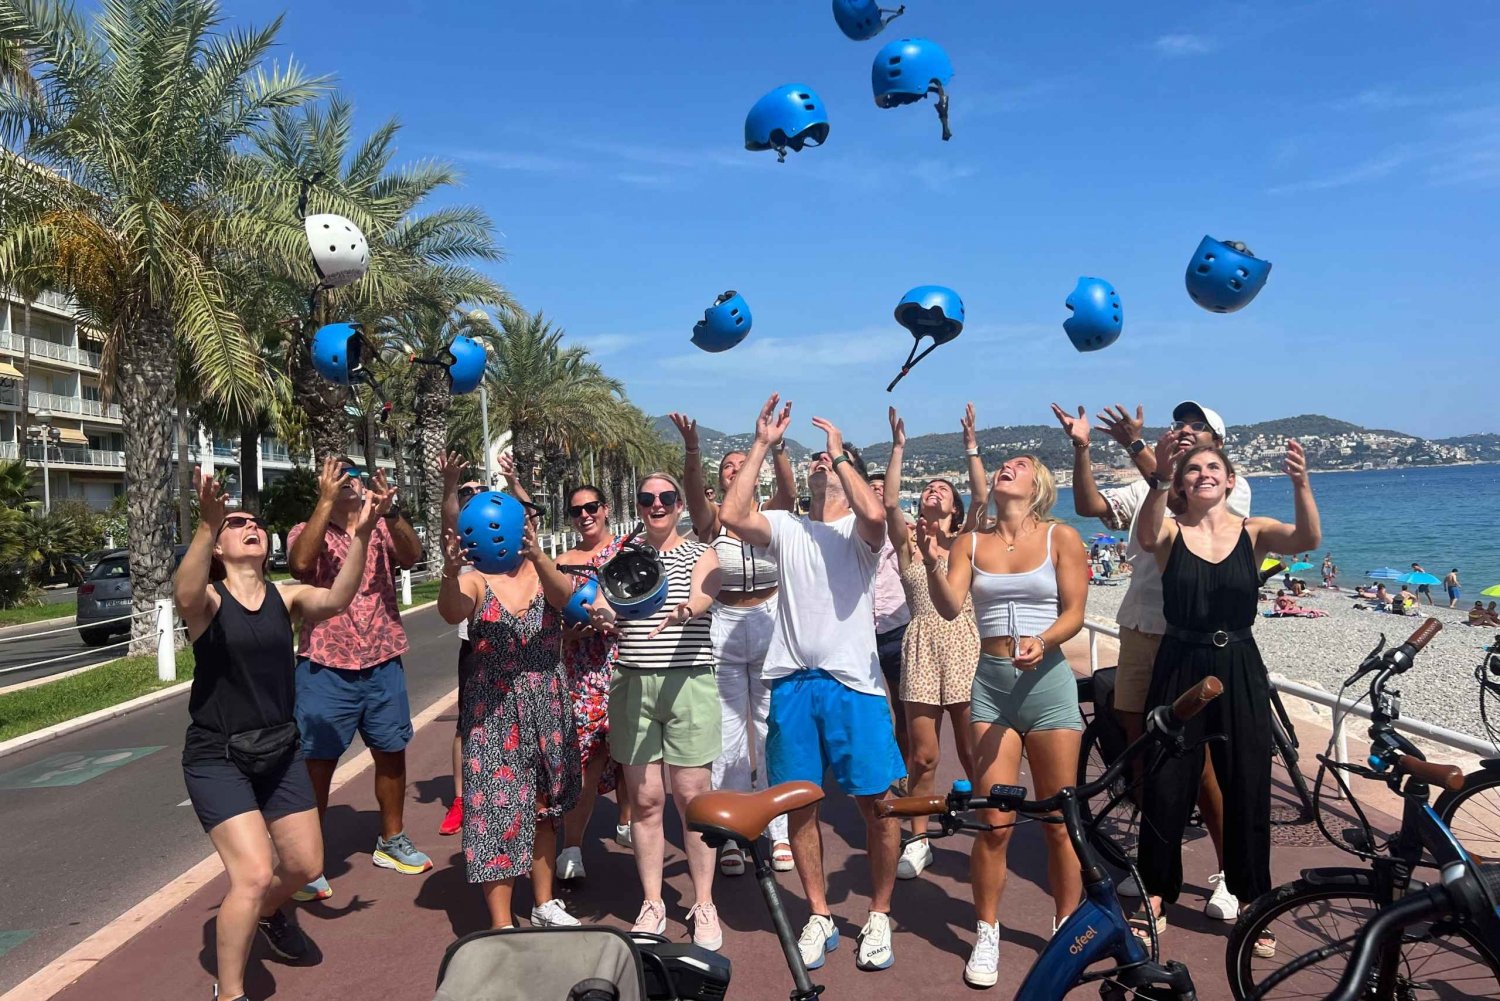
(1439,516)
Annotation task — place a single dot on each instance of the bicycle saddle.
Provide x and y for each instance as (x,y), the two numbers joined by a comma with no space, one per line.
(742,816)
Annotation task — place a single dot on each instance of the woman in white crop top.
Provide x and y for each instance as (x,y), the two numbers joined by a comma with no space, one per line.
(1028,578)
(744,614)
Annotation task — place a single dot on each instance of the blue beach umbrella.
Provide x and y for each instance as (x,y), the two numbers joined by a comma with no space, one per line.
(1299,567)
(1419,577)
(1105,540)
(1385,573)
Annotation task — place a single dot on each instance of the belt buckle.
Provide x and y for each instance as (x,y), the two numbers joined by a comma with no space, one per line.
(1220,638)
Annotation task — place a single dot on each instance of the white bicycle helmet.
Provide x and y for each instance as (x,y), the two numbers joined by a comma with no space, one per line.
(340,253)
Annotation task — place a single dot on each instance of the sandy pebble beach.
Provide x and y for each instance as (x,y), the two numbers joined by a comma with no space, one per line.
(1321,653)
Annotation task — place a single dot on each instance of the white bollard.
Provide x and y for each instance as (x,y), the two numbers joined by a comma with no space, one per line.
(166,652)
(405,587)
(1093,651)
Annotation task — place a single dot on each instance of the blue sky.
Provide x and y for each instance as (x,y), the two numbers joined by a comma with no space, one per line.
(1357,147)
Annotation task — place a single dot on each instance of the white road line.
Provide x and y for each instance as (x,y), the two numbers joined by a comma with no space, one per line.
(186,802)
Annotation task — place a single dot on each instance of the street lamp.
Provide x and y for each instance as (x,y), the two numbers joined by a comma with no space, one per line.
(47,435)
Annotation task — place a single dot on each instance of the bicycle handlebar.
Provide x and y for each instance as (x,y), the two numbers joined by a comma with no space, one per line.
(1423,636)
(911,806)
(1450,777)
(1191,702)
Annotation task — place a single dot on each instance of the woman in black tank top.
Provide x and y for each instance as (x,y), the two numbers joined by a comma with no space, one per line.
(241,758)
(1210,586)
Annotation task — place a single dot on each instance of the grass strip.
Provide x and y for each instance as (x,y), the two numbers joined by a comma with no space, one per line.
(38,613)
(425,591)
(68,698)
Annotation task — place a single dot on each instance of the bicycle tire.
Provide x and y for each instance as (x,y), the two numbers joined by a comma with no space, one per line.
(1120,814)
(1479,799)
(1352,888)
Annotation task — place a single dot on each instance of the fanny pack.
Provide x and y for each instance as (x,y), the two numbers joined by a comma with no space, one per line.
(264,751)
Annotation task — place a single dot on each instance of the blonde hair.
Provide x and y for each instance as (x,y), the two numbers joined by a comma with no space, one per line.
(1043,496)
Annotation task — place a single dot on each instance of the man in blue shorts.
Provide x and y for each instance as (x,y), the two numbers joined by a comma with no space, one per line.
(828,701)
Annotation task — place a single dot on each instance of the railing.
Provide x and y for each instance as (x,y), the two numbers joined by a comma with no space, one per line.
(12,342)
(166,648)
(9,450)
(74,405)
(64,352)
(65,455)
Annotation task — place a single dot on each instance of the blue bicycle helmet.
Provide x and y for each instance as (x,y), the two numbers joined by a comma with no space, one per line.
(1224,276)
(490,526)
(336,350)
(861,19)
(789,117)
(466,365)
(1096,319)
(724,324)
(635,583)
(906,70)
(928,311)
(576,611)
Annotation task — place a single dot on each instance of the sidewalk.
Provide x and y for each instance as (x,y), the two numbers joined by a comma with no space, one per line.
(383,935)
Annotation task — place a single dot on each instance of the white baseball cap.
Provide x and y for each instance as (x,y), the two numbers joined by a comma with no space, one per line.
(1215,422)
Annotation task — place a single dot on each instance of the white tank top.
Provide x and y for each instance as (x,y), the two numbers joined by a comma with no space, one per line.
(1014,604)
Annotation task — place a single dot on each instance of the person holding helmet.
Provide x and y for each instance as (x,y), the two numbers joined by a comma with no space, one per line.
(588,658)
(664,706)
(349,671)
(828,700)
(744,613)
(520,748)
(1141,618)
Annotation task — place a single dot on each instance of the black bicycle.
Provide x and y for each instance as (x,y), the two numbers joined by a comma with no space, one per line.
(1317,918)
(1473,812)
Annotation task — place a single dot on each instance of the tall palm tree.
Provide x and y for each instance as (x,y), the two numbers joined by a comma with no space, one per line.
(142,111)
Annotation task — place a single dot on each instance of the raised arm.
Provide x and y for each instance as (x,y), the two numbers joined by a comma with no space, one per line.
(947,590)
(979,483)
(455,602)
(302,559)
(557,586)
(1088,502)
(452,466)
(1307,532)
(703,511)
(196,601)
(407,548)
(895,522)
(869,513)
(314,604)
(738,513)
(784,497)
(1155,530)
(513,485)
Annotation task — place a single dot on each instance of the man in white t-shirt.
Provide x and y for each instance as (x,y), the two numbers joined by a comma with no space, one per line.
(1141,618)
(828,699)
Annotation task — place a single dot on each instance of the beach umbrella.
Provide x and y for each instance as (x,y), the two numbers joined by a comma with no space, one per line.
(1418,577)
(1385,573)
(1105,540)
(1268,563)
(1491,592)
(1299,567)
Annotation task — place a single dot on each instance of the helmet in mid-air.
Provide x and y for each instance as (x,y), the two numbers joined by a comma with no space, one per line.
(1224,276)
(1096,321)
(789,117)
(907,70)
(340,254)
(724,324)
(863,19)
(933,311)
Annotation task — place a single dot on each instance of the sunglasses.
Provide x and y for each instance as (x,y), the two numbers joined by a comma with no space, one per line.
(239,523)
(577,510)
(668,498)
(1196,426)
(464,493)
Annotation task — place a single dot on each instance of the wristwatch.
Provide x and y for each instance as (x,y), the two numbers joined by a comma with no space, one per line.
(1158,483)
(1136,447)
(393,513)
(971,452)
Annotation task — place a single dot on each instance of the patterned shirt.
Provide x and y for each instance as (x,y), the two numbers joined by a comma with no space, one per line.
(369,631)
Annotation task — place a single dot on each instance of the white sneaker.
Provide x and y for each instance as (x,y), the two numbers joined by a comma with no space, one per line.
(819,937)
(983,967)
(570,864)
(1128,887)
(875,943)
(915,857)
(552,914)
(1223,905)
(622,836)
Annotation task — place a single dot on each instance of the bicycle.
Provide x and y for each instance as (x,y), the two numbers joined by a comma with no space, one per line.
(1097,931)
(1308,908)
(1473,812)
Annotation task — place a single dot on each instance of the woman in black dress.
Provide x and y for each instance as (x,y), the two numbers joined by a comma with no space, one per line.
(241,758)
(1210,586)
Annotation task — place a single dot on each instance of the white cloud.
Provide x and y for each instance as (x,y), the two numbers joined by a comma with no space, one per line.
(602,345)
(1183,44)
(1371,169)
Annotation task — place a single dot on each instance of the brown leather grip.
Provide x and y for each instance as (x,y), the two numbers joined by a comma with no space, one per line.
(911,806)
(1424,634)
(1449,777)
(1191,702)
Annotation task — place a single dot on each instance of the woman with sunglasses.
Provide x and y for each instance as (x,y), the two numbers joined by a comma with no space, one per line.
(744,616)
(588,657)
(664,707)
(242,759)
(520,748)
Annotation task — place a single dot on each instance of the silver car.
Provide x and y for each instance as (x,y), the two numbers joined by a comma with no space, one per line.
(107,594)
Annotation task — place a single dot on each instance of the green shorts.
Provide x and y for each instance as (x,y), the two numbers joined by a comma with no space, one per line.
(670,715)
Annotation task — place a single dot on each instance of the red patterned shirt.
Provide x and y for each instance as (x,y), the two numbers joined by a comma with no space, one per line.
(369,631)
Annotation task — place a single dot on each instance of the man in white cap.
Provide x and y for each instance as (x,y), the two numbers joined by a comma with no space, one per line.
(1141,619)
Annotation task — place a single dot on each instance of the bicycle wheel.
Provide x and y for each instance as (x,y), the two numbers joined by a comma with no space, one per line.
(1439,961)
(1473,814)
(1112,819)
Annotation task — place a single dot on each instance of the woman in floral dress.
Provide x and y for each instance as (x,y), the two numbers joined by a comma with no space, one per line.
(588,657)
(520,749)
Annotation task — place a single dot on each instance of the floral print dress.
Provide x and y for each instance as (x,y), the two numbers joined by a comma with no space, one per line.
(519,747)
(587,662)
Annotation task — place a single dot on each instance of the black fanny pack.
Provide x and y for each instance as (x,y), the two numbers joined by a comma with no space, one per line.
(264,751)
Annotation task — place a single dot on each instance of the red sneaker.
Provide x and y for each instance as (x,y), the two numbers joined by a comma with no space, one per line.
(454,821)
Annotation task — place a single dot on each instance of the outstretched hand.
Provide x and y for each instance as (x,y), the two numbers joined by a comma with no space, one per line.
(1296,463)
(1076,427)
(213,502)
(452,466)
(331,479)
(971,435)
(1169,448)
(679,616)
(687,427)
(1118,424)
(770,427)
(898,429)
(505,465)
(835,437)
(374,504)
(928,546)
(453,550)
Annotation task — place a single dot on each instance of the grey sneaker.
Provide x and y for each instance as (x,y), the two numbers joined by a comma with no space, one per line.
(400,854)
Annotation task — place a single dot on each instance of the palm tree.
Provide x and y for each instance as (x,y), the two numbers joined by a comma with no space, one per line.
(136,230)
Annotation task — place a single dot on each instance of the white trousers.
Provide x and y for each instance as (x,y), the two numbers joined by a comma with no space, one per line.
(740,638)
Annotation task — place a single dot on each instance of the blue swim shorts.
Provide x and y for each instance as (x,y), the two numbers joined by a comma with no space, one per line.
(332,703)
(816,723)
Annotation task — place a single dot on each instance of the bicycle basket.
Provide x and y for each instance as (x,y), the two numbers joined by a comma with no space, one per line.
(542,964)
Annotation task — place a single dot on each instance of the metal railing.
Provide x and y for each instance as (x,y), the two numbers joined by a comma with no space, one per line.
(65,455)
(64,352)
(74,405)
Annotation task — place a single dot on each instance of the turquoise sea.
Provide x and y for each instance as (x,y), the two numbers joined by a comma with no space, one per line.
(1441,517)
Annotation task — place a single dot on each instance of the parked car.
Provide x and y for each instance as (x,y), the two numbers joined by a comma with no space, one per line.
(107,594)
(92,559)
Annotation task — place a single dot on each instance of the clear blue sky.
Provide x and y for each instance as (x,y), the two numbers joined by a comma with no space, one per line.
(1357,147)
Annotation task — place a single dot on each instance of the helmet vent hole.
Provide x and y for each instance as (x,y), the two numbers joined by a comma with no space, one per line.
(1235,284)
(804,97)
(468,530)
(1117,318)
(333,248)
(1208,257)
(1243,273)
(1203,269)
(810,106)
(894,60)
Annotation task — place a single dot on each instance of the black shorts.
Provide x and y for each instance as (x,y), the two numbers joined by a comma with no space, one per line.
(219,790)
(464,649)
(888,649)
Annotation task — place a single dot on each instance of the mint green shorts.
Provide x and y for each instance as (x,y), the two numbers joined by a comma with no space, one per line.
(1044,698)
(671,715)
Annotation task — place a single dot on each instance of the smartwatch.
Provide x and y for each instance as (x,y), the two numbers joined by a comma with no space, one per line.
(1158,483)
(1136,447)
(393,513)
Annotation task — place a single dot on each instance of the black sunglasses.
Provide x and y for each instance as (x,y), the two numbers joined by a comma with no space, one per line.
(240,521)
(1196,426)
(668,498)
(592,507)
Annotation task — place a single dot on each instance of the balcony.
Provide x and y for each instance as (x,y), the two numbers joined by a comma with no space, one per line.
(65,455)
(74,405)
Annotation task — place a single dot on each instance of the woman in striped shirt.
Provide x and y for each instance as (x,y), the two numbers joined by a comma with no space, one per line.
(664,707)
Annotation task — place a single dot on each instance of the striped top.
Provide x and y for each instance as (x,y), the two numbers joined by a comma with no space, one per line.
(676,646)
(743,567)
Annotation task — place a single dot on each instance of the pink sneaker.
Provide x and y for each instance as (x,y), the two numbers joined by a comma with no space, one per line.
(652,919)
(706,931)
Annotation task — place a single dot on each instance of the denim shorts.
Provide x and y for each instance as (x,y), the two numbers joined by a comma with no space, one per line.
(817,724)
(334,703)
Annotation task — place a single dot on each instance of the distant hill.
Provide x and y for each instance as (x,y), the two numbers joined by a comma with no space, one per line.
(715,444)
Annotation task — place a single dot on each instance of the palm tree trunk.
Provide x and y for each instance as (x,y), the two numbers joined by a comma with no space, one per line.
(322,403)
(250,467)
(431,433)
(146,376)
(184,475)
(523,447)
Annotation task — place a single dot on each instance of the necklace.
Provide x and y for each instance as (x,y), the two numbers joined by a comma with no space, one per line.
(1010,544)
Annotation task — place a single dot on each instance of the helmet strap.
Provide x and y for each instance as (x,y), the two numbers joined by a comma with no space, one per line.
(781,154)
(942,110)
(891,14)
(911,360)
